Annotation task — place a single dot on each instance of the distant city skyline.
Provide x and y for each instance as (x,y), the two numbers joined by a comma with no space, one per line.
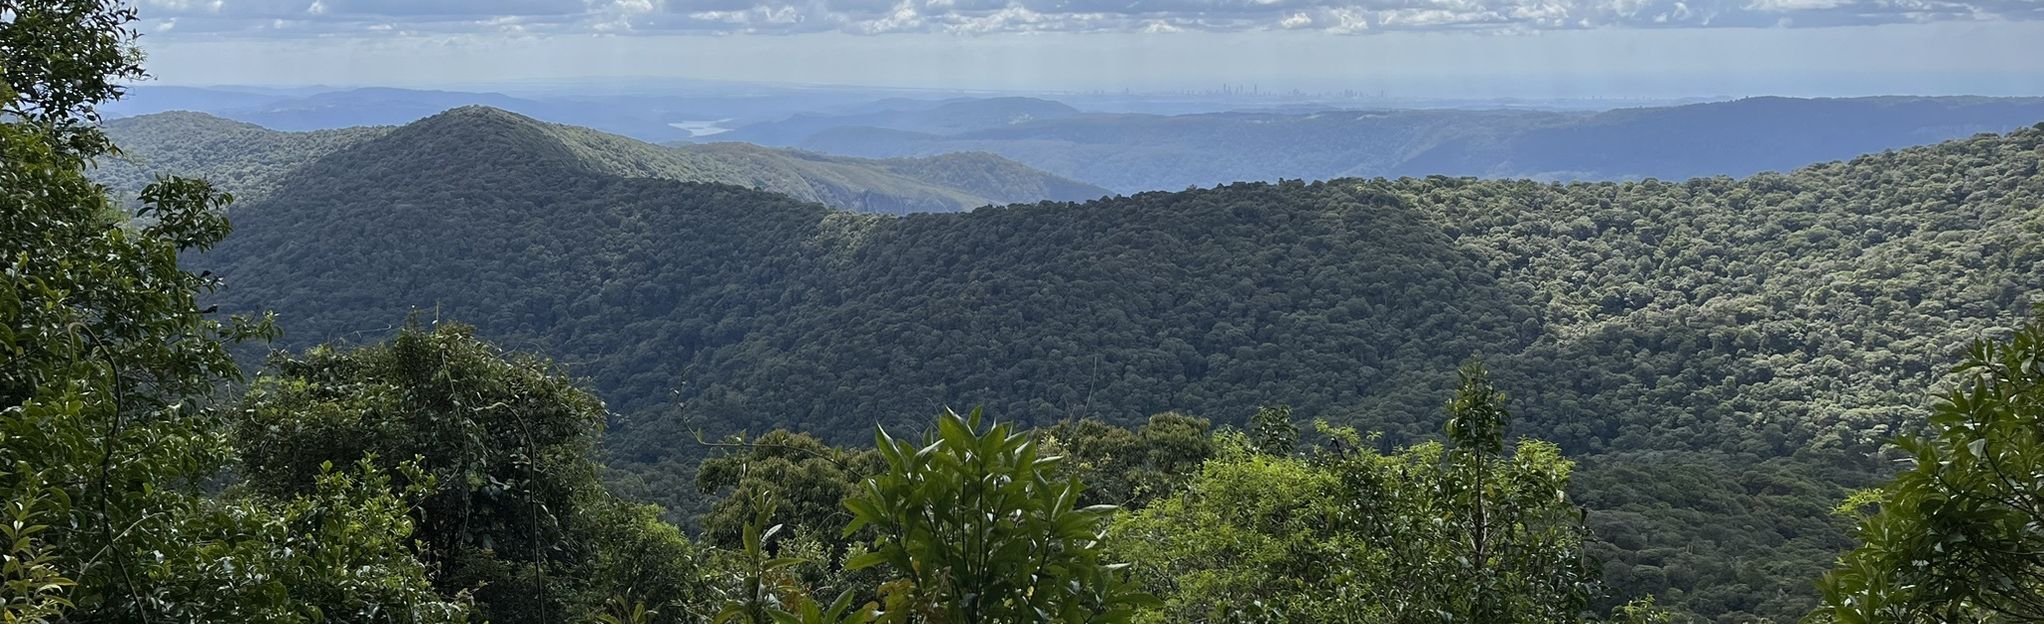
(1605,49)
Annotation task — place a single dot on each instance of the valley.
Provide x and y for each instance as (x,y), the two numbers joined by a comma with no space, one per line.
(1757,337)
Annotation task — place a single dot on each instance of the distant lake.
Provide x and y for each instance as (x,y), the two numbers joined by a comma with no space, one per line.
(702,128)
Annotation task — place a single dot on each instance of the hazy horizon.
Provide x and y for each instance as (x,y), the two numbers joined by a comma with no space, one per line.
(1460,49)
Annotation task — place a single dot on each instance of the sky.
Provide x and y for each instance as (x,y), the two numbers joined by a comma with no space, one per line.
(1414,48)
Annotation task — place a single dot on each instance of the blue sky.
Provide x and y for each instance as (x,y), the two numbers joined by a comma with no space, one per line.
(1423,48)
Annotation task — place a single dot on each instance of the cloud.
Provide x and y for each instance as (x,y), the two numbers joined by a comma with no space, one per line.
(623,17)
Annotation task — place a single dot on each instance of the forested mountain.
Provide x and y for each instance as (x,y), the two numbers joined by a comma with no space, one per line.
(250,160)
(1131,153)
(1745,342)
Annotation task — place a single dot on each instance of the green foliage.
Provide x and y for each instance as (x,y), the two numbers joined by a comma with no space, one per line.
(1432,533)
(985,530)
(637,566)
(245,159)
(1477,417)
(1642,611)
(1130,468)
(59,59)
(1251,538)
(1955,537)
(518,518)
(32,585)
(766,591)
(765,587)
(807,478)
(1514,543)
(340,552)
(1735,537)
(471,473)
(1272,432)
(110,448)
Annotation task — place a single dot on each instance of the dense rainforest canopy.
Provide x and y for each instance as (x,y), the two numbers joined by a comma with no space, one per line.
(1746,343)
(1683,381)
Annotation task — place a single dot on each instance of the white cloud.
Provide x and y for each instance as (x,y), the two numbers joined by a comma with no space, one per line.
(1795,5)
(444,17)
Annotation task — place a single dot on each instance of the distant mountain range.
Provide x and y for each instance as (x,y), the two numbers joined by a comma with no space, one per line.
(1131,152)
(251,160)
(958,116)
(382,106)
(1135,152)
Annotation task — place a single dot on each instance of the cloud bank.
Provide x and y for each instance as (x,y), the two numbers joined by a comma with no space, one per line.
(657,17)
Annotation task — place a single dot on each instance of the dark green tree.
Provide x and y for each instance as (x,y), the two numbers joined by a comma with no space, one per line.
(1955,538)
(517,517)
(1130,468)
(110,445)
(808,480)
(1272,431)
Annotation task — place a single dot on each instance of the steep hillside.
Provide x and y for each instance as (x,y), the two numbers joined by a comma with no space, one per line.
(1720,354)
(979,176)
(250,160)
(1132,153)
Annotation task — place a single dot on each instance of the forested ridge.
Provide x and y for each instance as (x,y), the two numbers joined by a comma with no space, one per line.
(1753,339)
(1414,400)
(250,160)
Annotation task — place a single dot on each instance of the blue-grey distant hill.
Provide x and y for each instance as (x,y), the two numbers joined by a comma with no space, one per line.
(1133,152)
(656,111)
(381,106)
(952,116)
